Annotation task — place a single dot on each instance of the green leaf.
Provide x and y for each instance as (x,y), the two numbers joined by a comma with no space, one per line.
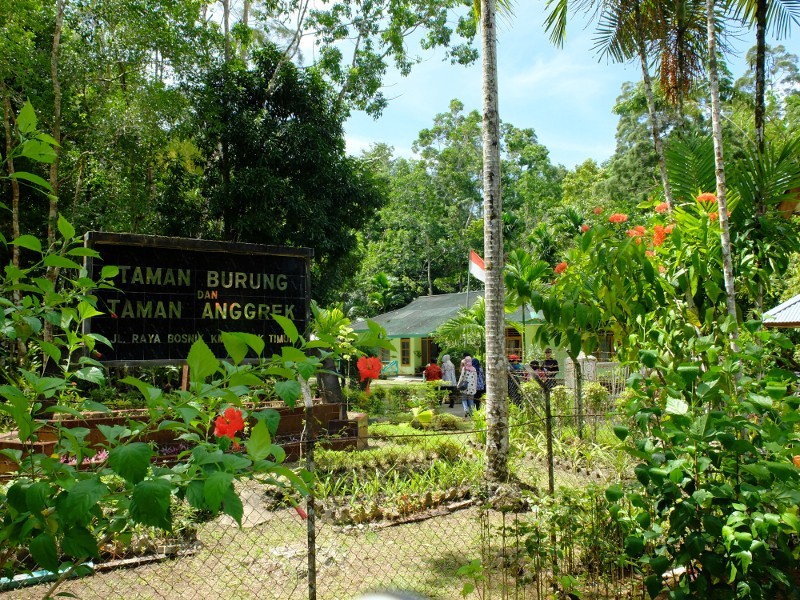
(61,262)
(149,392)
(292,354)
(232,505)
(648,358)
(621,432)
(131,461)
(29,242)
(38,151)
(634,546)
(91,374)
(36,496)
(288,327)
(614,493)
(65,228)
(654,585)
(109,272)
(75,506)
(271,417)
(44,552)
(216,487)
(202,362)
(79,543)
(288,391)
(234,346)
(676,407)
(26,120)
(258,446)
(150,503)
(31,177)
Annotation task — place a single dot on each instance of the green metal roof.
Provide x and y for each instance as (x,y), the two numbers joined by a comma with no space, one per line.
(422,316)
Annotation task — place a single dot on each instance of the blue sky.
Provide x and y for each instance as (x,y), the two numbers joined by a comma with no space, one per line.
(565,94)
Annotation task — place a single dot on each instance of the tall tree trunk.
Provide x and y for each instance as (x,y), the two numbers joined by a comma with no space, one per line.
(496,383)
(52,217)
(761,78)
(226,28)
(8,115)
(245,23)
(722,203)
(651,105)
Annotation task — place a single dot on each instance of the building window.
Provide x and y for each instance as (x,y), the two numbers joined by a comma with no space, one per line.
(405,351)
(513,342)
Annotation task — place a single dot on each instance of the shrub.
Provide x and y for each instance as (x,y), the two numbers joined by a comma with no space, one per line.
(562,400)
(445,422)
(595,396)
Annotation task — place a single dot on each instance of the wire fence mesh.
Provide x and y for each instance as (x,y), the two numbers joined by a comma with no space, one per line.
(407,515)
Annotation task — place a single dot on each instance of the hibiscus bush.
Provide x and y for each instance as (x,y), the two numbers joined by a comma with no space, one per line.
(62,514)
(713,511)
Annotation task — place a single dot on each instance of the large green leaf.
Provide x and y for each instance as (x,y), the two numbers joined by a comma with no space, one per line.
(131,461)
(288,327)
(202,362)
(150,503)
(44,552)
(258,446)
(26,120)
(76,504)
(78,542)
(216,487)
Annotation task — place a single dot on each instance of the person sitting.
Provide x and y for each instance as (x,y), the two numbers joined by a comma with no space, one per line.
(433,372)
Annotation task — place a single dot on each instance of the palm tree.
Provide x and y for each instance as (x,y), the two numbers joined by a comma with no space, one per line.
(523,278)
(467,328)
(497,445)
(719,163)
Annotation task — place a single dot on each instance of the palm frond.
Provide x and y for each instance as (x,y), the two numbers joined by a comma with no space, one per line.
(690,167)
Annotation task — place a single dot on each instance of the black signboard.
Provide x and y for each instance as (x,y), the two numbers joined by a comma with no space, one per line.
(171,291)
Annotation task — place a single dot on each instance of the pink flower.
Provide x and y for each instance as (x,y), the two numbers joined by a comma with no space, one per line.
(301,512)
(618,218)
(560,268)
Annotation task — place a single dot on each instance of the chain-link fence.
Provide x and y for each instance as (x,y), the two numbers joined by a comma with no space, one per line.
(407,515)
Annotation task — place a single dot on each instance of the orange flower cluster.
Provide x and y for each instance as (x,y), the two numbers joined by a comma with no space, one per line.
(369,367)
(560,268)
(637,231)
(662,208)
(706,198)
(598,210)
(713,216)
(659,234)
(669,228)
(228,424)
(584,228)
(618,218)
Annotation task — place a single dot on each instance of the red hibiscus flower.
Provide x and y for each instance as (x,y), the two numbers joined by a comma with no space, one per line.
(584,228)
(618,218)
(598,210)
(560,268)
(228,424)
(662,208)
(369,367)
(706,198)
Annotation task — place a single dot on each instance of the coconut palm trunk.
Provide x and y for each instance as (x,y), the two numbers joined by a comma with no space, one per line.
(655,126)
(716,125)
(496,368)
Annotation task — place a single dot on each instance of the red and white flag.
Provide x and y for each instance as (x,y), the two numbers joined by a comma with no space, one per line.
(476,267)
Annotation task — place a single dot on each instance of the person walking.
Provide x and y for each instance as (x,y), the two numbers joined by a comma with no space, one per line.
(467,385)
(480,387)
(449,377)
(550,368)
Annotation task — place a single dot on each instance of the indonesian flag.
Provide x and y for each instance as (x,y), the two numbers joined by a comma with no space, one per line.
(476,268)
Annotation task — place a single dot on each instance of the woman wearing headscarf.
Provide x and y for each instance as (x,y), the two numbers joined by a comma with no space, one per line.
(467,385)
(480,387)
(449,376)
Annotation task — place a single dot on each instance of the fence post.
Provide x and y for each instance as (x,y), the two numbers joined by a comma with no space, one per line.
(310,508)
(548,425)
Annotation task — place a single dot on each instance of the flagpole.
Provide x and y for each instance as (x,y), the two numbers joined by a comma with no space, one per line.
(466,305)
